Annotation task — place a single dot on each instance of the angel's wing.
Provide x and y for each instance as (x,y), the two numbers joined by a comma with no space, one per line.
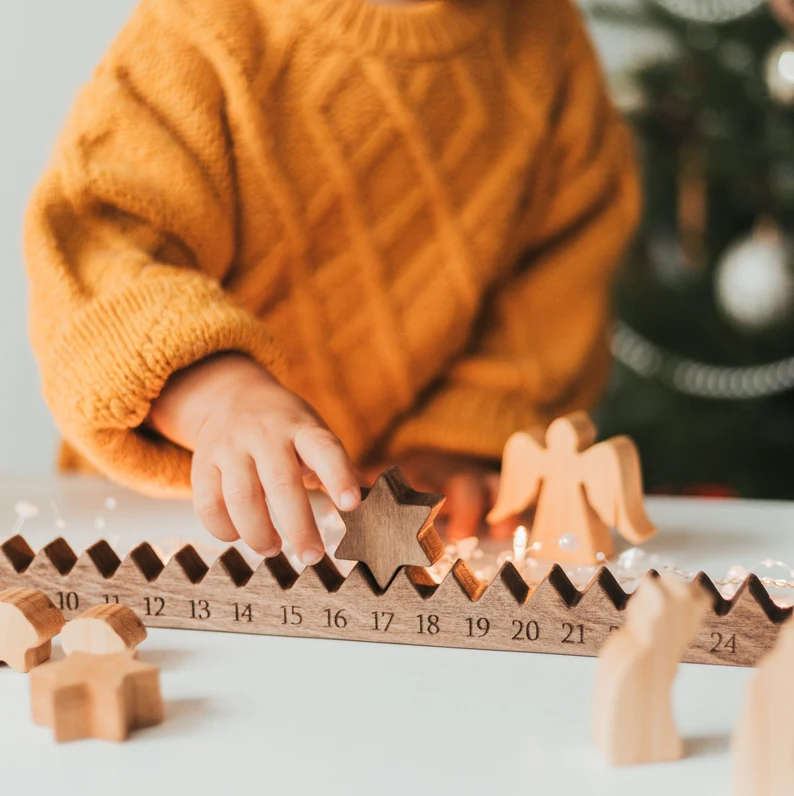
(612,478)
(523,463)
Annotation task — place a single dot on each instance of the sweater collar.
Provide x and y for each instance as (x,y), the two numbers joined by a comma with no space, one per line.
(424,29)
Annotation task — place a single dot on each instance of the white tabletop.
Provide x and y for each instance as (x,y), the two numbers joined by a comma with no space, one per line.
(297,716)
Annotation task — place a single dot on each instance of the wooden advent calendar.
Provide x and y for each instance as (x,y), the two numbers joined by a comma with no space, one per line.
(505,614)
(390,595)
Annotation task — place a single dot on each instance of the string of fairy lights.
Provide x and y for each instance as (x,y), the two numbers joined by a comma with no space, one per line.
(700,379)
(711,11)
(531,559)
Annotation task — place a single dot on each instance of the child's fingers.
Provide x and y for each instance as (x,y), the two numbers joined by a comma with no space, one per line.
(209,503)
(322,452)
(245,502)
(501,530)
(466,499)
(280,474)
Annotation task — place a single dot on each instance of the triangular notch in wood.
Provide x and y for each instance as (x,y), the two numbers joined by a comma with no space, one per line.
(18,552)
(147,561)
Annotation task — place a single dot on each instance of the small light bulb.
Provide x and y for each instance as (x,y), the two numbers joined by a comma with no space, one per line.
(568,543)
(26,510)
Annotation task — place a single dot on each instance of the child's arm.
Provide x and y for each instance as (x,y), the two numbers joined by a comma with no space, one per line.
(127,239)
(543,346)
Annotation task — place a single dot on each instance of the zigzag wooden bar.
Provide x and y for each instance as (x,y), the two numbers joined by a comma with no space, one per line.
(463,612)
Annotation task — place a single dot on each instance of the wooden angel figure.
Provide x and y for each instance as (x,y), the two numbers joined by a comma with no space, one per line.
(580,490)
(763,741)
(633,719)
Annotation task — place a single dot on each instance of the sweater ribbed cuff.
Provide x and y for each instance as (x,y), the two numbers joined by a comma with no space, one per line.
(115,356)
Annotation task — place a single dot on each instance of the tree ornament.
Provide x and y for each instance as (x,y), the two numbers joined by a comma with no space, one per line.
(779,72)
(754,283)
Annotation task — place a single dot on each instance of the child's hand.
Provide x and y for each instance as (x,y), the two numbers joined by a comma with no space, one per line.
(470,486)
(253,438)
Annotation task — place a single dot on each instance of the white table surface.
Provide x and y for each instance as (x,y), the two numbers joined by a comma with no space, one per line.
(297,716)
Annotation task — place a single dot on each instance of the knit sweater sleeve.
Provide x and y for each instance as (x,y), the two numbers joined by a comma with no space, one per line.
(128,237)
(581,212)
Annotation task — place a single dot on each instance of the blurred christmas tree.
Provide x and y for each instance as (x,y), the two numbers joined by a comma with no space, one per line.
(705,342)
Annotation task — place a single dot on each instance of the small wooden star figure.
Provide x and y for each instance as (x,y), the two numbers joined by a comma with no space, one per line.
(96,696)
(392,527)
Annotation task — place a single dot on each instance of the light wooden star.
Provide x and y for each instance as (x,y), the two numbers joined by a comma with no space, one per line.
(96,696)
(392,527)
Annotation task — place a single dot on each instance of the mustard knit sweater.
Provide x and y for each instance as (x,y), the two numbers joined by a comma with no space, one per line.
(409,214)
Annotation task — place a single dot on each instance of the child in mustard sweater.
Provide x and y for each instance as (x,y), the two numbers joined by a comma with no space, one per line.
(281,239)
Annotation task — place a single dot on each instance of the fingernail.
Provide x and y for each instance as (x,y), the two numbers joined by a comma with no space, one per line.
(272,552)
(349,499)
(312,557)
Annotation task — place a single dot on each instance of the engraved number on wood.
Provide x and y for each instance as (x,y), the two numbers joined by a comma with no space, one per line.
(291,617)
(200,609)
(111,598)
(574,635)
(68,601)
(382,620)
(529,631)
(154,606)
(243,613)
(337,619)
(429,625)
(729,645)
(481,626)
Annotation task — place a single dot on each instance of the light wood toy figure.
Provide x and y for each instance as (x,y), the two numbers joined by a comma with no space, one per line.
(28,623)
(577,489)
(103,629)
(96,696)
(633,719)
(763,742)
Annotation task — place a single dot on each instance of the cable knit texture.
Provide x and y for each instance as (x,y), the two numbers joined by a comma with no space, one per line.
(410,214)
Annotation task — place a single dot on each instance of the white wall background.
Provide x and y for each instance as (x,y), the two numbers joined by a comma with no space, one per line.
(47,50)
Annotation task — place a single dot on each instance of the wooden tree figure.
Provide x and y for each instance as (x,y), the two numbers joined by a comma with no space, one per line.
(96,696)
(763,742)
(28,623)
(103,629)
(392,527)
(580,491)
(633,719)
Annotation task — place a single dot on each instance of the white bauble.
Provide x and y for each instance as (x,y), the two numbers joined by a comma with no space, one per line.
(754,282)
(779,72)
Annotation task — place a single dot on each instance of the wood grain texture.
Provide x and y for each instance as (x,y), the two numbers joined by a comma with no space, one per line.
(96,696)
(763,741)
(28,623)
(578,489)
(506,614)
(103,630)
(392,527)
(632,715)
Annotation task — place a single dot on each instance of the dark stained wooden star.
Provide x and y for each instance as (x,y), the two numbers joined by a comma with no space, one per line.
(392,527)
